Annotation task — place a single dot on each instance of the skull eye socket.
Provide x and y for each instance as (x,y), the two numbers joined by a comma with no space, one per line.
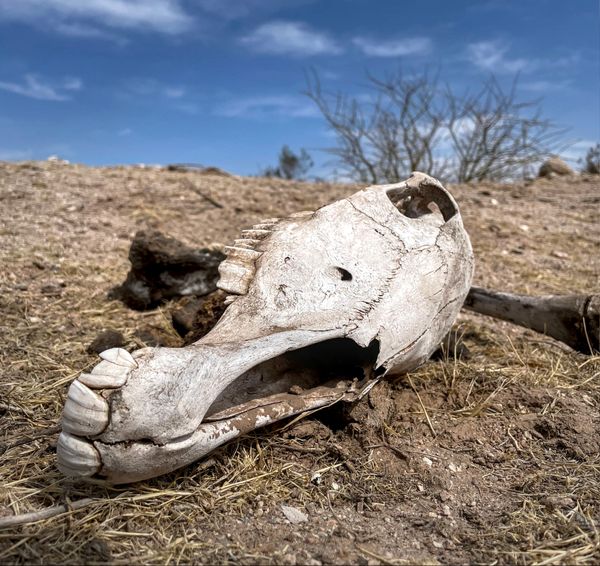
(345,275)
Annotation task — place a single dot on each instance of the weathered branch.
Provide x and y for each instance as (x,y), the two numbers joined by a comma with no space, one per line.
(572,319)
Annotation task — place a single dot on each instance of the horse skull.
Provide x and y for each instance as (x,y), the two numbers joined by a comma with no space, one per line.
(374,280)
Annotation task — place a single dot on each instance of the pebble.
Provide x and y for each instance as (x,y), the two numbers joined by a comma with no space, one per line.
(294,515)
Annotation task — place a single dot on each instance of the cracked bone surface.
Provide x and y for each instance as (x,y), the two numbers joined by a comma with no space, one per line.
(322,305)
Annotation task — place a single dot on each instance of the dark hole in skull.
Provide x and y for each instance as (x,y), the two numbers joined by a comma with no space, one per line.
(413,206)
(345,275)
(305,368)
(423,201)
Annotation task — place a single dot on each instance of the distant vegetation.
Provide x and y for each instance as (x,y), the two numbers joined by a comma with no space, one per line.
(591,163)
(290,165)
(414,122)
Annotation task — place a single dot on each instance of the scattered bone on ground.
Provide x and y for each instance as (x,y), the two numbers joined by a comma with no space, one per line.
(511,475)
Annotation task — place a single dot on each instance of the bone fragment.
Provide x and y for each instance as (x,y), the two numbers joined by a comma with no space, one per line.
(571,319)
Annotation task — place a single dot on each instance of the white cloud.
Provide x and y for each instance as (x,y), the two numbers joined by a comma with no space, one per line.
(546,85)
(125,132)
(577,150)
(33,86)
(174,91)
(89,18)
(268,106)
(394,47)
(290,38)
(491,56)
(142,86)
(86,31)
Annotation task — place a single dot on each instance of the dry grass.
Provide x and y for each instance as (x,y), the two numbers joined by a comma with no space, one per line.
(513,471)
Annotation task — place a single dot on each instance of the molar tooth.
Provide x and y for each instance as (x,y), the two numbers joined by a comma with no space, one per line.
(302,213)
(77,457)
(235,278)
(247,243)
(242,255)
(96,380)
(119,356)
(255,234)
(85,412)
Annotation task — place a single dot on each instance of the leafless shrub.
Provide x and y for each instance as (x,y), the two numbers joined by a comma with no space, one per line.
(591,163)
(290,165)
(411,123)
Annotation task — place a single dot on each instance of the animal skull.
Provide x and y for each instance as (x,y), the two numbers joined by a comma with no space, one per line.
(373,281)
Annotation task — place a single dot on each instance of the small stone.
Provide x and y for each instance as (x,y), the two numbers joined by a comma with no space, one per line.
(446,511)
(105,340)
(427,461)
(559,255)
(554,166)
(335,486)
(294,515)
(454,468)
(494,202)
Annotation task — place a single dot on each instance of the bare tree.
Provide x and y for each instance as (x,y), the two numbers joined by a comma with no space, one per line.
(494,136)
(410,123)
(393,133)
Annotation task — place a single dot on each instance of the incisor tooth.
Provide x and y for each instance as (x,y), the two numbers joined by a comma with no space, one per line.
(108,368)
(119,356)
(229,299)
(85,412)
(77,457)
(98,381)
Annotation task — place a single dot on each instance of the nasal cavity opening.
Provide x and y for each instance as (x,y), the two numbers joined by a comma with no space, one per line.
(345,275)
(422,201)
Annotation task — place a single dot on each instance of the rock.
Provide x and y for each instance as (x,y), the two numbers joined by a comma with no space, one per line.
(155,336)
(105,340)
(163,268)
(554,166)
(294,515)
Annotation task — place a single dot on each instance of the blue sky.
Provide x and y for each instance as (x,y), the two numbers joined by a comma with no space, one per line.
(219,82)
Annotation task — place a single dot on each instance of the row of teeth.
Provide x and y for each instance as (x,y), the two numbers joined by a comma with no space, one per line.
(237,270)
(86,413)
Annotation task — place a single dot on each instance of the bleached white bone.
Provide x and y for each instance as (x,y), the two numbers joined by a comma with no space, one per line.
(380,275)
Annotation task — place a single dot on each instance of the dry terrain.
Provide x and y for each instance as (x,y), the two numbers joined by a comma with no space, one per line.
(506,470)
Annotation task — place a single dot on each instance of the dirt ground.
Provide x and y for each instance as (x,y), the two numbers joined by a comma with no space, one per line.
(507,471)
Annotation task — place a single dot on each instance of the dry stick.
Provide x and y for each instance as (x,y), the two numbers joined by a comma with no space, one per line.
(207,198)
(410,382)
(571,319)
(27,518)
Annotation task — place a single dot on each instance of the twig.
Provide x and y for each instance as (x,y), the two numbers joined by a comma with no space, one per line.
(201,194)
(410,382)
(33,517)
(27,440)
